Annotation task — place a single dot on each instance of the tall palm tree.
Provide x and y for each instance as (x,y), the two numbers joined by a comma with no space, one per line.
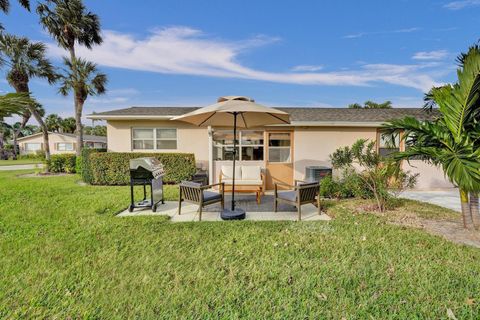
(70,23)
(53,122)
(83,78)
(26,60)
(453,142)
(19,127)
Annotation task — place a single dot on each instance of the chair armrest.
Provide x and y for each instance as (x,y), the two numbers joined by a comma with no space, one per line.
(284,185)
(222,184)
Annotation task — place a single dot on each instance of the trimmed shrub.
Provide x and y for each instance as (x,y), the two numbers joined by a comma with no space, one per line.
(113,168)
(38,155)
(62,163)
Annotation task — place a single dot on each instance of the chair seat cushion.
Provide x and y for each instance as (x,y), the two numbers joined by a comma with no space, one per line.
(288,195)
(209,196)
(242,182)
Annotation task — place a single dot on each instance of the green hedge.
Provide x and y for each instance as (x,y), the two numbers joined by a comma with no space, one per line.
(62,163)
(113,168)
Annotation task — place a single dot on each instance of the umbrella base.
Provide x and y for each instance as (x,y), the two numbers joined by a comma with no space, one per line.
(237,214)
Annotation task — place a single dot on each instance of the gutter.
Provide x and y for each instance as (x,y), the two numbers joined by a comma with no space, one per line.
(370,124)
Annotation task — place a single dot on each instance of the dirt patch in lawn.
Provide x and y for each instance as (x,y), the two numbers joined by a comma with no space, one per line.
(43,175)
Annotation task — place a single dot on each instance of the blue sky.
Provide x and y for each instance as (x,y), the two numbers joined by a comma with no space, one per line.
(282,53)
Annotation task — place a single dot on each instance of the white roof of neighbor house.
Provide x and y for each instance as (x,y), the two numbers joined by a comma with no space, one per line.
(86,138)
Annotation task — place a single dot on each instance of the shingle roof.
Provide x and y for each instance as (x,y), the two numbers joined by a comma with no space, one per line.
(296,114)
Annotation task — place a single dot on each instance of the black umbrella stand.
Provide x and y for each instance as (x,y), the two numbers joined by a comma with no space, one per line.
(233,213)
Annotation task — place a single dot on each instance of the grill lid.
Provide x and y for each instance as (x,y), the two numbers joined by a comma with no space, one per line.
(148,163)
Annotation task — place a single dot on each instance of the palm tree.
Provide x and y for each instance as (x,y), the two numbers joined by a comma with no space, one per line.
(83,78)
(53,122)
(68,125)
(5,5)
(69,23)
(453,141)
(26,60)
(10,104)
(19,127)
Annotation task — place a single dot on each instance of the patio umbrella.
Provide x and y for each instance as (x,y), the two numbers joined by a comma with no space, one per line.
(236,111)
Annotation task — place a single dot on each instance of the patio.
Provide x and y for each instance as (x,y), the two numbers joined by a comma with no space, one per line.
(255,212)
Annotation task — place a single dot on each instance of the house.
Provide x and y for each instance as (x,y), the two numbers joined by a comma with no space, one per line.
(283,150)
(59,143)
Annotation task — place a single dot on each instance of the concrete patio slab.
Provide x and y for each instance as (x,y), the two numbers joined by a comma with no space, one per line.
(448,198)
(189,213)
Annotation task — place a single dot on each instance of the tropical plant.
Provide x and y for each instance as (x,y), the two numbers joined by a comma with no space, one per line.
(10,104)
(96,130)
(25,60)
(5,6)
(371,105)
(70,23)
(53,122)
(382,177)
(67,125)
(453,141)
(83,78)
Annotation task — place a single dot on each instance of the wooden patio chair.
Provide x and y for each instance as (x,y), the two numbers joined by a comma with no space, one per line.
(197,193)
(302,193)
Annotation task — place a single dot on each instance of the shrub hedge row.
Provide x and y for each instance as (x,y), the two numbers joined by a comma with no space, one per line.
(62,163)
(113,168)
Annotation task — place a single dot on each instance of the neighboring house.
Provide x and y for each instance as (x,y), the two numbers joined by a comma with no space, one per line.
(284,151)
(59,143)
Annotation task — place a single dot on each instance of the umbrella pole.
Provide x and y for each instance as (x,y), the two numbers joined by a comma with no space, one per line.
(234,157)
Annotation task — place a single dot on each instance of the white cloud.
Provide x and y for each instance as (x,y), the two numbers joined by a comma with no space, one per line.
(183,50)
(362,34)
(308,68)
(430,55)
(457,5)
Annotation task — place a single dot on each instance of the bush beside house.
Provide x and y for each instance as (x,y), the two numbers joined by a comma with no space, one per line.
(62,163)
(112,168)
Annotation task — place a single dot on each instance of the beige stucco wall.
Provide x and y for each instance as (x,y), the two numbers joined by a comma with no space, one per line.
(313,145)
(430,178)
(190,139)
(53,139)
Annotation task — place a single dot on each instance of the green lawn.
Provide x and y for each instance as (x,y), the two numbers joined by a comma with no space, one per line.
(65,255)
(20,161)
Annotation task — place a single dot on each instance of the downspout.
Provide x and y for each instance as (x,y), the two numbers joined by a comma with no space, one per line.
(210,155)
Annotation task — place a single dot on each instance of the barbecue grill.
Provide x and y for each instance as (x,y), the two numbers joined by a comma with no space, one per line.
(317,173)
(146,171)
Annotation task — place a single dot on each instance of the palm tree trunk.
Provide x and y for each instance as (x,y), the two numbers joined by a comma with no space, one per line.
(2,143)
(466,213)
(23,88)
(78,126)
(474,209)
(17,131)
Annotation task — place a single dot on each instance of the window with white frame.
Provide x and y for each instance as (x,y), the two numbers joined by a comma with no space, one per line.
(154,138)
(33,147)
(250,145)
(65,146)
(279,147)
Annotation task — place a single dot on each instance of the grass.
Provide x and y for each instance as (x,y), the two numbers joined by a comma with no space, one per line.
(19,161)
(66,255)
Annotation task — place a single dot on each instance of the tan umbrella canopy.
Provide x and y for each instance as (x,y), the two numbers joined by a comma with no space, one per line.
(236,111)
(250,114)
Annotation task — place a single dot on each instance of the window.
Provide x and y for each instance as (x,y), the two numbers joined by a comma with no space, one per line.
(388,144)
(279,147)
(65,146)
(249,142)
(33,147)
(154,139)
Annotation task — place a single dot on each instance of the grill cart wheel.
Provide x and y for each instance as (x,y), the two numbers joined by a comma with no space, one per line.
(130,208)
(154,208)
